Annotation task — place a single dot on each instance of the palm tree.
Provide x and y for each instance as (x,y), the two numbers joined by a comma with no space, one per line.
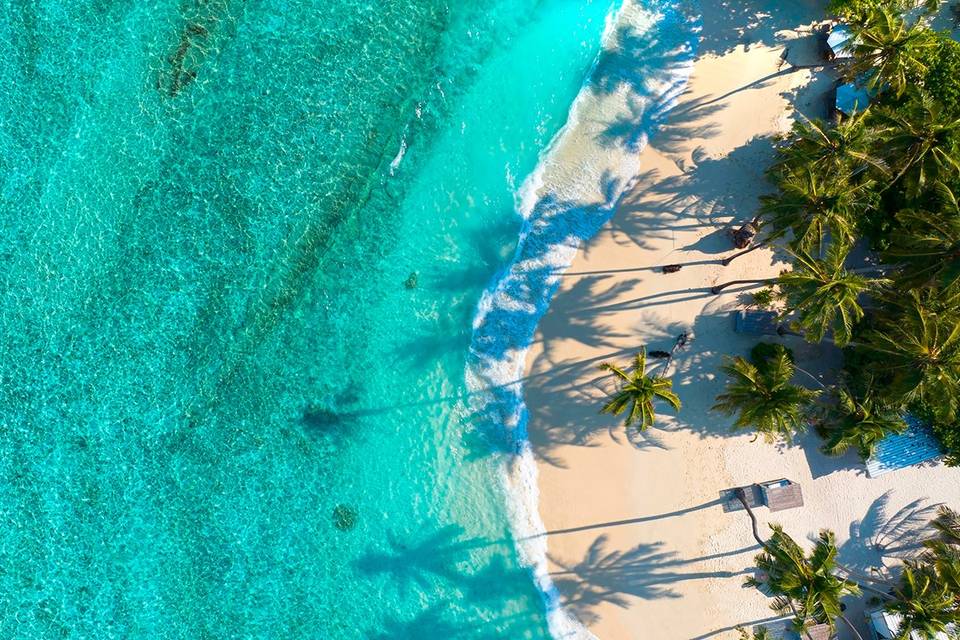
(860,423)
(921,141)
(846,148)
(889,51)
(919,345)
(926,604)
(758,633)
(926,244)
(815,205)
(806,586)
(947,525)
(759,393)
(638,390)
(824,294)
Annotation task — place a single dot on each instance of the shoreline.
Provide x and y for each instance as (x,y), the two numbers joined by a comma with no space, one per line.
(637,542)
(560,210)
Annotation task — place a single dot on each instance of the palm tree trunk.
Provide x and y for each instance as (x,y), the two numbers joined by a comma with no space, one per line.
(861,581)
(742,497)
(811,376)
(754,247)
(850,625)
(720,287)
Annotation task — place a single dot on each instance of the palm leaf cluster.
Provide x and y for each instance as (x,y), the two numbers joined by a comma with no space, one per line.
(927,595)
(886,182)
(859,423)
(761,395)
(809,586)
(637,393)
(804,585)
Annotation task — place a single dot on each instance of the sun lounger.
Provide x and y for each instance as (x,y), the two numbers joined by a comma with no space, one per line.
(756,323)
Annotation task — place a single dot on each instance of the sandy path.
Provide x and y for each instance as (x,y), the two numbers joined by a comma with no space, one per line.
(639,546)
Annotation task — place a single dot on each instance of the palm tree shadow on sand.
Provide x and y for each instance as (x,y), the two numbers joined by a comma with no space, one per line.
(647,572)
(882,535)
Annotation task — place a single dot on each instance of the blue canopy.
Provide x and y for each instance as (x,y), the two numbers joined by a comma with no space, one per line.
(840,42)
(899,451)
(851,98)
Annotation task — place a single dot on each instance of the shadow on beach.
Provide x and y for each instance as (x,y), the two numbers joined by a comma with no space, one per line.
(646,571)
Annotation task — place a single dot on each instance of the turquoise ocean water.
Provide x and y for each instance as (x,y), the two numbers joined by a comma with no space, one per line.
(241,245)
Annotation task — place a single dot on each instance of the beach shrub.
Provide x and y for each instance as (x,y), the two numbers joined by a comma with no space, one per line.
(949,437)
(943,76)
(764,298)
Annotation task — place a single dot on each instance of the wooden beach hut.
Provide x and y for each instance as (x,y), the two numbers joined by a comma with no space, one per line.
(776,495)
(781,494)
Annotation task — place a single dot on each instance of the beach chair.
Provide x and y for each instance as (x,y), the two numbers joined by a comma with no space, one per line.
(756,323)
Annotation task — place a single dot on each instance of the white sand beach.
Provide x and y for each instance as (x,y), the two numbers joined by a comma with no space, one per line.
(639,545)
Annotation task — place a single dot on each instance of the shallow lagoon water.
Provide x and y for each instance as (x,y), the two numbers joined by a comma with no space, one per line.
(211,211)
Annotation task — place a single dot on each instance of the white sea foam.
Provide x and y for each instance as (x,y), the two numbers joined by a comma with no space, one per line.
(646,58)
(397,159)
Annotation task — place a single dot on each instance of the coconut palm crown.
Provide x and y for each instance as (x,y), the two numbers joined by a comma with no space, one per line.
(825,295)
(759,393)
(802,585)
(889,52)
(925,602)
(859,422)
(637,393)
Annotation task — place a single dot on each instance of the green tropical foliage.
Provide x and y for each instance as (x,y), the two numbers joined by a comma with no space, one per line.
(824,295)
(849,148)
(637,393)
(760,394)
(809,586)
(758,633)
(927,246)
(919,351)
(814,206)
(925,602)
(860,423)
(884,185)
(947,526)
(805,586)
(889,51)
(943,78)
(885,180)
(923,142)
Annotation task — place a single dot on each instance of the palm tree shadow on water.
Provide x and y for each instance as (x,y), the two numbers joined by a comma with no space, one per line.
(468,587)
